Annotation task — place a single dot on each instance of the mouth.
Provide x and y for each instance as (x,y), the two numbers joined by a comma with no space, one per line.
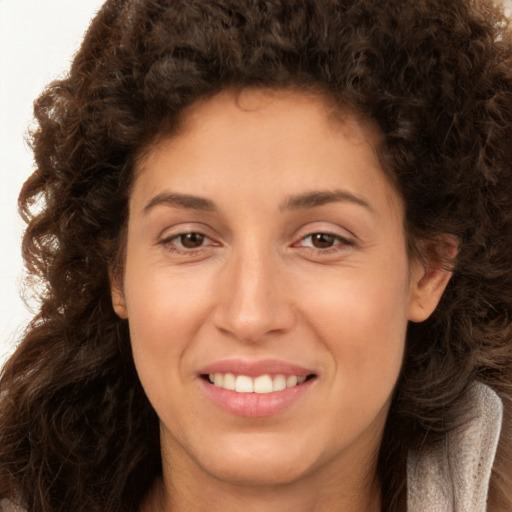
(260,384)
(256,388)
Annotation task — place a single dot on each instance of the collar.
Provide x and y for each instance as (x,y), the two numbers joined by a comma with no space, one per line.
(455,477)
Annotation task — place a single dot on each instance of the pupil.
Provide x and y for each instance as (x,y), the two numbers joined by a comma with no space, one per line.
(322,240)
(192,240)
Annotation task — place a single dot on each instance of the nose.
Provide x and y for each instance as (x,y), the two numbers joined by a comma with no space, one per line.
(254,302)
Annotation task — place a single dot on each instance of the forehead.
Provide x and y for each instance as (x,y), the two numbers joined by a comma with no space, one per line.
(283,107)
(265,141)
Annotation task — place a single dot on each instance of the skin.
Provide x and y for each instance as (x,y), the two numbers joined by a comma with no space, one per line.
(257,286)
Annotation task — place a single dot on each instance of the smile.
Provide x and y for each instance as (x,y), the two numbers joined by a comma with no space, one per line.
(255,389)
(260,384)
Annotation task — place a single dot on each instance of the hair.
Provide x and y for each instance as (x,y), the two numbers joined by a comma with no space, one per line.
(76,429)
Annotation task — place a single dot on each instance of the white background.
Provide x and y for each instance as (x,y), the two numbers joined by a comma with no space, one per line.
(37,40)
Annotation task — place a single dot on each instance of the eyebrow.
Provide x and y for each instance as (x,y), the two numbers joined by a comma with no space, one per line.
(187,201)
(296,202)
(321,197)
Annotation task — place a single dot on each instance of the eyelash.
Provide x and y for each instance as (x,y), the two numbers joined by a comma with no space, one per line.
(339,243)
(169,244)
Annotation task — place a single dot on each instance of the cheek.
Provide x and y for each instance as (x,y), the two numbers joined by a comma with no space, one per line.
(359,301)
(161,299)
(161,317)
(362,320)
(164,312)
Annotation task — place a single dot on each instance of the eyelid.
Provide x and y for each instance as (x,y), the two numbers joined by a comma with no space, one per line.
(328,233)
(183,228)
(328,228)
(168,235)
(344,239)
(340,240)
(169,238)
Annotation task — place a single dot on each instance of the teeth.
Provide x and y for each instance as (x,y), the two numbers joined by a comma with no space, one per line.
(260,384)
(244,384)
(263,384)
(279,382)
(291,381)
(229,381)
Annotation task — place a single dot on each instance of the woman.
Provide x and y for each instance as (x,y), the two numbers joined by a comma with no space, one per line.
(275,246)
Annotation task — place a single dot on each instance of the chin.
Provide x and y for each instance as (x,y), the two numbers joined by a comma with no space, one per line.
(256,474)
(257,465)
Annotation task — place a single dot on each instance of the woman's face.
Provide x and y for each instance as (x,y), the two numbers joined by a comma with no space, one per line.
(266,253)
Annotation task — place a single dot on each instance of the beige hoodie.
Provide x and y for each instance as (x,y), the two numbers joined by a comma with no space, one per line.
(455,478)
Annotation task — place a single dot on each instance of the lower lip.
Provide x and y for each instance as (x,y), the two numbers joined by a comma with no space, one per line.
(255,405)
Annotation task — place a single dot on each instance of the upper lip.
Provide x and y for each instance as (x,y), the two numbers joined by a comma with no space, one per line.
(255,368)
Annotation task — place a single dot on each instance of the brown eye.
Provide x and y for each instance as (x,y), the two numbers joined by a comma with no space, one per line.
(192,240)
(323,240)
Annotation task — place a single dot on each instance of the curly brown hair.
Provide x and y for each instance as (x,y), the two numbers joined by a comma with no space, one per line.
(76,430)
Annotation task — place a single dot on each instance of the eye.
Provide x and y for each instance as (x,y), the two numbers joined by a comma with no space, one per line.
(323,241)
(184,242)
(191,240)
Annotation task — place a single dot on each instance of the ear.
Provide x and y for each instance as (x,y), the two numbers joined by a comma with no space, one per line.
(430,275)
(117,296)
